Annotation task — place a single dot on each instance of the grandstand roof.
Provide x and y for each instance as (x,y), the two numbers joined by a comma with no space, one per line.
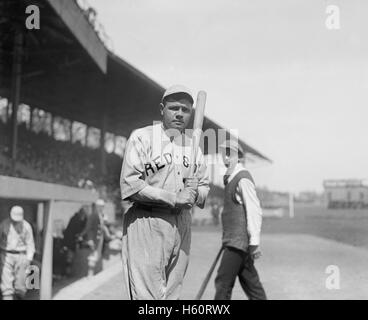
(64,75)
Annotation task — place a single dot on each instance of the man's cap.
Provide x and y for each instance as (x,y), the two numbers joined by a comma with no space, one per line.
(233,145)
(100,202)
(177,89)
(17,214)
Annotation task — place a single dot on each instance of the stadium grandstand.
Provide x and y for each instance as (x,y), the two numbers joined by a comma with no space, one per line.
(67,105)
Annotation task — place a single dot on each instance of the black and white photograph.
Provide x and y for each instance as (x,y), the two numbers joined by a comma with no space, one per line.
(208,150)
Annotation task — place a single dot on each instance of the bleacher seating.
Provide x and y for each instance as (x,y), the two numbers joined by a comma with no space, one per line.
(43,158)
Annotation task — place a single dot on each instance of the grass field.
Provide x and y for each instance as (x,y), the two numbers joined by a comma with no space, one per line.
(346,226)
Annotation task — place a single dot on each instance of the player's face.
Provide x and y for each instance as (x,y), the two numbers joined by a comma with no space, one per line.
(176,114)
(100,209)
(229,157)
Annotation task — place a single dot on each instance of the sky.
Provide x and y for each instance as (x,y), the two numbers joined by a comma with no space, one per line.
(296,90)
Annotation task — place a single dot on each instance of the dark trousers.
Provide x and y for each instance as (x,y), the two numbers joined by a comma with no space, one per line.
(236,263)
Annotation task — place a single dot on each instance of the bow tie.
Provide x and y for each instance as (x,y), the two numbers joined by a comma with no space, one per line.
(226,179)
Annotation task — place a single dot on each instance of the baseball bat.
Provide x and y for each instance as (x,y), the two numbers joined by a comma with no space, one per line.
(208,276)
(197,127)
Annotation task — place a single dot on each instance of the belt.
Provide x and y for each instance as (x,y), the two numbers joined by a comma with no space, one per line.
(151,208)
(13,251)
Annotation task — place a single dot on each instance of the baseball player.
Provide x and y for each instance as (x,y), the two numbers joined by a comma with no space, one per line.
(154,176)
(16,254)
(241,222)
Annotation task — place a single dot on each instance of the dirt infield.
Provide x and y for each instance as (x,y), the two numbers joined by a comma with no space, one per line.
(292,267)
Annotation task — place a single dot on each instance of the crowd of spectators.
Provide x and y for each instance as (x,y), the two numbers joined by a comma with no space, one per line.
(61,162)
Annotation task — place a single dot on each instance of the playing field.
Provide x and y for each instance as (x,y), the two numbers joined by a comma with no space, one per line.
(296,255)
(345,225)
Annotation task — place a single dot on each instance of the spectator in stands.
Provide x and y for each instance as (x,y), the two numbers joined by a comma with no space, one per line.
(16,254)
(43,158)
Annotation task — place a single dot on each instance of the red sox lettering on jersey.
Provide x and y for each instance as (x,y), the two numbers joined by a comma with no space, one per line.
(159,158)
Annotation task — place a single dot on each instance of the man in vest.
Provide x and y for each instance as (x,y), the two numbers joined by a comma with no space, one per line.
(241,222)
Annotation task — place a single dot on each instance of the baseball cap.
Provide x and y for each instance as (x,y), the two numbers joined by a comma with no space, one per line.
(17,213)
(177,89)
(233,145)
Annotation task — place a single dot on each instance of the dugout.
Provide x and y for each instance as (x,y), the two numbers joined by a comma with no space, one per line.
(40,201)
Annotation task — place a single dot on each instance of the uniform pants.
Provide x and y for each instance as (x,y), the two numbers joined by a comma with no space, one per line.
(236,263)
(13,268)
(155,253)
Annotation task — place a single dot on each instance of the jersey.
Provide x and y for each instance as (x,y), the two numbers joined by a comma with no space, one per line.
(155,158)
(20,240)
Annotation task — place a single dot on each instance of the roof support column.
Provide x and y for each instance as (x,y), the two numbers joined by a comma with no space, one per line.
(15,90)
(30,118)
(86,137)
(52,133)
(102,143)
(8,112)
(71,131)
(47,252)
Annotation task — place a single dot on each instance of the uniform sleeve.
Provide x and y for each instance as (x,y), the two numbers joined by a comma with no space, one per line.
(132,183)
(253,209)
(132,171)
(151,194)
(30,245)
(204,181)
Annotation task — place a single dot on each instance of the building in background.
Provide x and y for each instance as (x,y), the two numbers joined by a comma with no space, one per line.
(350,193)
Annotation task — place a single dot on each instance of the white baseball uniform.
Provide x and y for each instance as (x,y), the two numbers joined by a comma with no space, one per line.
(16,251)
(156,241)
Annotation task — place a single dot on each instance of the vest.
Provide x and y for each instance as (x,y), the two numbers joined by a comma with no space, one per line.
(234,216)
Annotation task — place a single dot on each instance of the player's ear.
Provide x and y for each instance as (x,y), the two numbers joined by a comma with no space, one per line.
(162,107)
